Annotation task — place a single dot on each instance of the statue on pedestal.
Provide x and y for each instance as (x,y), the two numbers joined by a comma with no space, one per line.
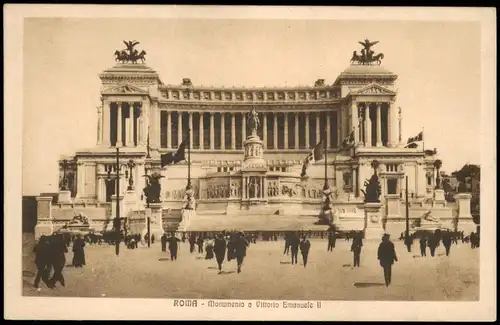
(153,188)
(189,197)
(253,121)
(372,190)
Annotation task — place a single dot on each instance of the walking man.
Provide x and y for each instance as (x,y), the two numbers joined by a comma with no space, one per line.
(287,244)
(387,255)
(357,243)
(447,242)
(241,250)
(42,251)
(294,246)
(192,242)
(57,259)
(305,245)
(332,238)
(423,245)
(164,242)
(220,250)
(408,242)
(173,246)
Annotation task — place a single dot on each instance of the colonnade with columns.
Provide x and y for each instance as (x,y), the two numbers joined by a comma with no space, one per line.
(228,130)
(373,122)
(122,123)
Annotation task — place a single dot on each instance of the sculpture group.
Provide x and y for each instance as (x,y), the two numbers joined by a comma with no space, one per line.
(367,56)
(130,54)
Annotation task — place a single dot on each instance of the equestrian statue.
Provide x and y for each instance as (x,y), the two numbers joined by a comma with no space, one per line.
(130,54)
(367,56)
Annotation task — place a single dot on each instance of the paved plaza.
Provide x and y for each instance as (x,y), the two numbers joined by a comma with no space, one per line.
(267,274)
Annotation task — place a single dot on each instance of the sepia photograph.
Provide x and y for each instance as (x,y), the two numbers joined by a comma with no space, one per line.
(234,163)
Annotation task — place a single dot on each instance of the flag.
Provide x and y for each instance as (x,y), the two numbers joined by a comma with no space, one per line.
(348,140)
(174,157)
(412,141)
(315,155)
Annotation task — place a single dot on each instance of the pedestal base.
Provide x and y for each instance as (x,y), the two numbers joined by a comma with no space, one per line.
(64,197)
(44,228)
(374,233)
(439,200)
(186,217)
(373,220)
(156,223)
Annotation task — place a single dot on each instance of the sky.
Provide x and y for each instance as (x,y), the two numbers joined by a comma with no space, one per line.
(438,64)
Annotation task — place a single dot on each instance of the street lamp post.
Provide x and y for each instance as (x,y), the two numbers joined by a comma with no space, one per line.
(117,220)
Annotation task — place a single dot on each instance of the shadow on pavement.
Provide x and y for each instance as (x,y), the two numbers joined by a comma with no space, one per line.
(162,259)
(346,265)
(368,284)
(283,262)
(226,272)
(212,268)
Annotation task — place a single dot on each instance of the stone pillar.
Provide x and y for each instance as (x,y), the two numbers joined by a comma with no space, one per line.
(201,131)
(318,133)
(233,131)
(106,123)
(264,130)
(146,130)
(179,128)
(307,129)
(244,187)
(297,130)
(286,131)
(156,223)
(379,125)
(354,120)
(373,221)
(212,134)
(44,225)
(169,130)
(130,131)
(99,125)
(64,196)
(244,129)
(390,117)
(368,127)
(119,142)
(190,125)
(464,220)
(328,129)
(400,120)
(80,180)
(222,132)
(355,182)
(338,128)
(275,131)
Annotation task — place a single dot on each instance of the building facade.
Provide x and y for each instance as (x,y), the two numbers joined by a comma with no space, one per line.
(357,116)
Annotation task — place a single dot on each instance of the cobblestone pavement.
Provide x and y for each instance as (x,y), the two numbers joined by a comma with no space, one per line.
(267,274)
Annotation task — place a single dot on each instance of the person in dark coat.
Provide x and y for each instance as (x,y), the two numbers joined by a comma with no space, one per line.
(57,259)
(199,242)
(287,244)
(423,245)
(241,250)
(192,242)
(173,246)
(447,242)
(332,238)
(294,247)
(408,240)
(220,250)
(209,249)
(305,245)
(183,237)
(472,239)
(432,243)
(357,243)
(152,238)
(78,252)
(386,255)
(231,247)
(42,252)
(164,243)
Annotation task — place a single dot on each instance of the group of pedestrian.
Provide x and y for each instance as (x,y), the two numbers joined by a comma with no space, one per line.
(173,245)
(50,255)
(295,241)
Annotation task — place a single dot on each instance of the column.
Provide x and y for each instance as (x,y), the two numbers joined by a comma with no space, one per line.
(190,125)
(286,131)
(244,129)
(144,123)
(297,130)
(201,131)
(157,128)
(307,129)
(80,177)
(390,138)
(379,125)
(222,132)
(275,131)
(338,128)
(328,129)
(233,131)
(400,120)
(318,133)
(119,126)
(264,130)
(368,127)
(261,188)
(354,121)
(169,130)
(179,128)
(354,182)
(99,125)
(212,134)
(106,123)
(130,131)
(244,188)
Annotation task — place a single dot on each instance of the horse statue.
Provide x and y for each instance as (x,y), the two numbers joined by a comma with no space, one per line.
(378,58)
(356,58)
(121,56)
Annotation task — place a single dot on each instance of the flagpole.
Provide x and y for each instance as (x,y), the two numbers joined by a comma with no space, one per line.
(326,174)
